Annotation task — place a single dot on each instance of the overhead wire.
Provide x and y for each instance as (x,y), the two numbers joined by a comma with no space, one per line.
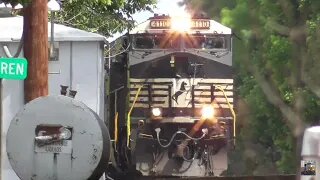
(127,48)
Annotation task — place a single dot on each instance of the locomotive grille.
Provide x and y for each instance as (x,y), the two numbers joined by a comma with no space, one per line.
(162,92)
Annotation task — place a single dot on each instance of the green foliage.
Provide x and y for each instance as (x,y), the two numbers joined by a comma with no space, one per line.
(242,14)
(213,7)
(268,43)
(100,16)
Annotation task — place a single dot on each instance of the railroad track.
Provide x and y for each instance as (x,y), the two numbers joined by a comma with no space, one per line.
(271,177)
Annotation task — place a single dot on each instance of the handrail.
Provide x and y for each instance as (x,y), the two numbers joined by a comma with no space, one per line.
(231,109)
(129,118)
(116,130)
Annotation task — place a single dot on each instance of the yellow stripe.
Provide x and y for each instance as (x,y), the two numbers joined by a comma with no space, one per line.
(203,87)
(224,106)
(207,93)
(219,100)
(142,105)
(153,92)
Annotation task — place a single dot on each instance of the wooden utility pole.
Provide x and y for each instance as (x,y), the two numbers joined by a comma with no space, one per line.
(35,28)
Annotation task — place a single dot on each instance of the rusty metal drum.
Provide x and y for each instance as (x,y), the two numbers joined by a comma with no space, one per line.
(58,138)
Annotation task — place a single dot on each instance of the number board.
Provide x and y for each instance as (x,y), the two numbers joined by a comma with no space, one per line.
(166,24)
(64,147)
(160,24)
(200,24)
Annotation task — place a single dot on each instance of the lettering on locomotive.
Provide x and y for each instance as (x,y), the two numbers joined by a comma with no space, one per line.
(166,24)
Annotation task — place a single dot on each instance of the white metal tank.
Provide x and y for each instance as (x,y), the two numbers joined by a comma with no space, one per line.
(58,138)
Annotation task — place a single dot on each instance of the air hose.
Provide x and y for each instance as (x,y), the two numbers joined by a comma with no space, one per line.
(204,133)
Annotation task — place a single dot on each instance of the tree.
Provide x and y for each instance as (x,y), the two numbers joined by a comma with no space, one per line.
(102,16)
(35,40)
(210,7)
(276,67)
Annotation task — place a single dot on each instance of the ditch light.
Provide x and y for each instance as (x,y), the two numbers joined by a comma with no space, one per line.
(207,112)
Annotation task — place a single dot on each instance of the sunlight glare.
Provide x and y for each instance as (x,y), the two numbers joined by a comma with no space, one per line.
(180,20)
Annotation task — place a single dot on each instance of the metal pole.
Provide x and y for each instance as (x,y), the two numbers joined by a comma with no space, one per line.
(108,86)
(109,59)
(1,128)
(52,35)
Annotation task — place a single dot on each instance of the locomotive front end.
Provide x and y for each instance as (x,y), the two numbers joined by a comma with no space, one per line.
(180,118)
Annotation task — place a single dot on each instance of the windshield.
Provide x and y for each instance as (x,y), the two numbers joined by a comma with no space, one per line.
(205,42)
(176,41)
(159,41)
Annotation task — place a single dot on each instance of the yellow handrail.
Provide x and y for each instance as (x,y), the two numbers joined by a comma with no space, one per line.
(116,130)
(231,109)
(129,118)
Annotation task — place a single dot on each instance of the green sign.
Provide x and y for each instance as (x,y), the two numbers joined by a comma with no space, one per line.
(13,68)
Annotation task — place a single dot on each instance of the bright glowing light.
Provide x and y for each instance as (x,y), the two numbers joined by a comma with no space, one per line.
(207,112)
(180,20)
(181,23)
(156,111)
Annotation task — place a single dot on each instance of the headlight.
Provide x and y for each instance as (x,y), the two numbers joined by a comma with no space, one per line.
(181,23)
(156,112)
(207,112)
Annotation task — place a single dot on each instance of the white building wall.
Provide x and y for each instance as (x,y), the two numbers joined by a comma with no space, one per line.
(80,66)
(101,80)
(84,72)
(59,71)
(12,102)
